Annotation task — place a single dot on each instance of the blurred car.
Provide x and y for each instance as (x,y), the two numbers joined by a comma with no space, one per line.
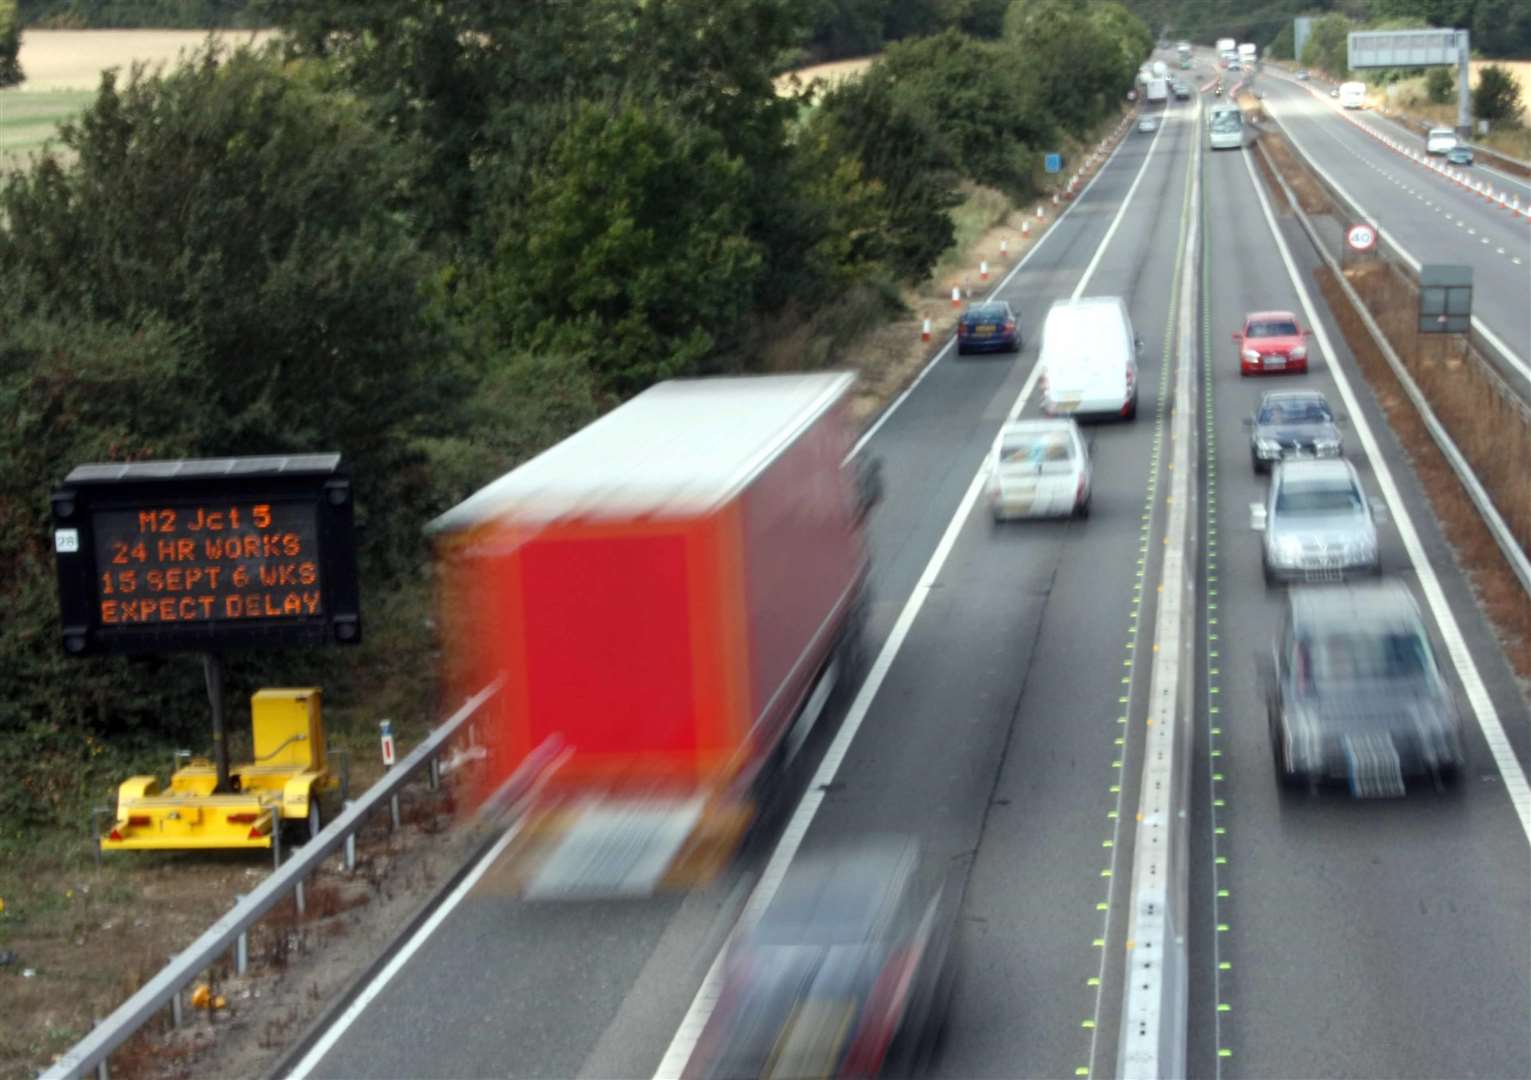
(1354,693)
(1334,91)
(1459,155)
(1439,140)
(1041,468)
(1291,425)
(1302,74)
(1182,92)
(846,972)
(1148,123)
(1271,341)
(1318,523)
(989,326)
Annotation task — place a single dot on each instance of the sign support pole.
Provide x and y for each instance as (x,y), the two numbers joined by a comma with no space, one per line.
(212,668)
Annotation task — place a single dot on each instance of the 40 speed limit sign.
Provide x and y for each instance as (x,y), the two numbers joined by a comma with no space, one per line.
(1361,237)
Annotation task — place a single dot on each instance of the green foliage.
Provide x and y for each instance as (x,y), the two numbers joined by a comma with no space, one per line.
(10,44)
(1284,45)
(895,141)
(991,108)
(1440,85)
(1497,95)
(1328,46)
(633,249)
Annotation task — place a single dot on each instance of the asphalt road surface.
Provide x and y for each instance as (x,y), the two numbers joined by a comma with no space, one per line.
(1373,939)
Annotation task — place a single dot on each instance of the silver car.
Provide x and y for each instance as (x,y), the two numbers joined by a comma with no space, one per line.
(1040,468)
(1318,523)
(1353,692)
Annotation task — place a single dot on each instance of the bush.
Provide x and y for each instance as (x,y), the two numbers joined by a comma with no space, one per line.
(1497,95)
(1440,85)
(10,44)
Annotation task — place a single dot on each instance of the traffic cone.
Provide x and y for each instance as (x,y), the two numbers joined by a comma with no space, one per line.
(1004,250)
(956,296)
(1025,228)
(1039,211)
(983,270)
(925,331)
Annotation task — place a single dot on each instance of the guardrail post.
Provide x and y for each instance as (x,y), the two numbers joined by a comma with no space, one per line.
(433,777)
(276,841)
(350,845)
(241,948)
(177,1010)
(298,899)
(96,813)
(393,810)
(103,1070)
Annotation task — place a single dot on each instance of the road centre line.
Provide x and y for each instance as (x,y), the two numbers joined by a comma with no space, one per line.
(1482,705)
(684,1043)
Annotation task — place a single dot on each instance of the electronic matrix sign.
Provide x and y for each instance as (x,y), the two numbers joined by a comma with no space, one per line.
(164,556)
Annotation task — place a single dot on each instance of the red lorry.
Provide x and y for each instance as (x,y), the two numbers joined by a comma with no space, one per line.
(658,596)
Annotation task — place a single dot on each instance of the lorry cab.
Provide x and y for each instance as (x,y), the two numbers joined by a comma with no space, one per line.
(1440,140)
(1353,95)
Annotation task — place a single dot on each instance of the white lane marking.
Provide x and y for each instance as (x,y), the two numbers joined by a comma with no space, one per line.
(327,1042)
(1511,357)
(1482,705)
(684,1043)
(1089,271)
(866,436)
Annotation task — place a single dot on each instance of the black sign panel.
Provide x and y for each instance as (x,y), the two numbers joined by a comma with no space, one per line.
(230,553)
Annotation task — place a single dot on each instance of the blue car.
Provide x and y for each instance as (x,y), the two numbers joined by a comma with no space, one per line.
(990,326)
(1459,155)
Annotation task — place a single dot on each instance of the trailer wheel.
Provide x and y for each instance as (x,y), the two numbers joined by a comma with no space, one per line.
(315,817)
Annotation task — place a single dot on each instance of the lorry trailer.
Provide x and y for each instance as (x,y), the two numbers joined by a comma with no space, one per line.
(660,597)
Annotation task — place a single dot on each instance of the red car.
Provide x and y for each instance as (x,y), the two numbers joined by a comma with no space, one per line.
(1271,341)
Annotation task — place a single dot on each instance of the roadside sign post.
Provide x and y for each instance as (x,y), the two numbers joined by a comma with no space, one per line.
(1053,163)
(1445,299)
(1360,243)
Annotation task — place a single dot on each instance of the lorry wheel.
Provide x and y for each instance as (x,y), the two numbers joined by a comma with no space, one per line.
(315,818)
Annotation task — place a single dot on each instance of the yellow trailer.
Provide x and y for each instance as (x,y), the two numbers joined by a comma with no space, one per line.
(282,785)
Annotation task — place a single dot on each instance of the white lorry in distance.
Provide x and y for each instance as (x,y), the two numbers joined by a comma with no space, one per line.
(1440,139)
(1225,46)
(1157,91)
(1161,70)
(1353,95)
(1248,54)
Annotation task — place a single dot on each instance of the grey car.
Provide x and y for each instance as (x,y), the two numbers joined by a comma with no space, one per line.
(1290,425)
(1318,523)
(1354,694)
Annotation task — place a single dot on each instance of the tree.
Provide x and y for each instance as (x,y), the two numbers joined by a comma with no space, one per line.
(10,44)
(1440,85)
(897,145)
(633,249)
(1497,95)
(1328,46)
(990,106)
(260,218)
(1283,46)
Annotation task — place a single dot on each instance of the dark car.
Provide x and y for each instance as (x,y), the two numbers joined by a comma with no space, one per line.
(1355,694)
(1459,155)
(1292,424)
(1302,74)
(989,326)
(844,974)
(1182,92)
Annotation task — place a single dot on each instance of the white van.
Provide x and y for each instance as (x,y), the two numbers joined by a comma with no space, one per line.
(1089,358)
(1439,140)
(1353,95)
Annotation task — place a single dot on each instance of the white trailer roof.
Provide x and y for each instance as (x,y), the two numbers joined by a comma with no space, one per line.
(679,448)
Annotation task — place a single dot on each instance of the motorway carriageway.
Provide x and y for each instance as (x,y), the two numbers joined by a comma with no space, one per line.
(1428,217)
(1002,724)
